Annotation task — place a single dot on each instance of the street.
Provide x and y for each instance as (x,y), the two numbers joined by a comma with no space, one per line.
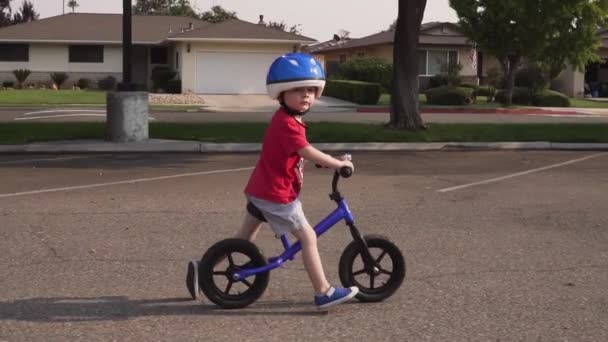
(499,245)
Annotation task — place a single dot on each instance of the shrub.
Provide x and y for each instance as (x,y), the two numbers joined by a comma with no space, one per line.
(533,78)
(8,84)
(59,78)
(521,96)
(353,91)
(21,75)
(373,70)
(451,72)
(448,95)
(438,81)
(495,78)
(549,98)
(487,91)
(174,87)
(83,83)
(108,83)
(161,75)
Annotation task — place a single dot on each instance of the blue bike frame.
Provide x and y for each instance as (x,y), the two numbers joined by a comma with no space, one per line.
(341,213)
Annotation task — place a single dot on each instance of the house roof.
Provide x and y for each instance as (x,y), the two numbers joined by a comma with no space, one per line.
(387,37)
(107,29)
(236,29)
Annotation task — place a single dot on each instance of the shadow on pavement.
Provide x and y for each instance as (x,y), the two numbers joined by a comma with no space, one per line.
(121,308)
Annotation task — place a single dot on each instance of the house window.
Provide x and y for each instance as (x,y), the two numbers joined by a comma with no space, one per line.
(86,54)
(430,62)
(14,53)
(360,54)
(422,62)
(342,58)
(159,55)
(176,60)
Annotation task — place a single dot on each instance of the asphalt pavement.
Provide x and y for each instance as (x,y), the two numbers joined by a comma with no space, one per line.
(499,245)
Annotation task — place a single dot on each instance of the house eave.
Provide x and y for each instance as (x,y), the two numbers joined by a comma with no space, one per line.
(239,40)
(60,41)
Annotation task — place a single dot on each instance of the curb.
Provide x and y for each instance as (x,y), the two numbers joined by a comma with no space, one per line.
(522,111)
(163,146)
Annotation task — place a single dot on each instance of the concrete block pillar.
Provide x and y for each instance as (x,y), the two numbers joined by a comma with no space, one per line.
(127,118)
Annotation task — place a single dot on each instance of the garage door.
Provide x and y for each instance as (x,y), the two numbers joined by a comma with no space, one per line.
(232,73)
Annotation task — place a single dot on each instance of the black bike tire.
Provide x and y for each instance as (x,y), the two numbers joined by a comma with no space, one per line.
(206,277)
(353,250)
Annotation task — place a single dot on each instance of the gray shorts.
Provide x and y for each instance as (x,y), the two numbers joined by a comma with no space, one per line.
(282,218)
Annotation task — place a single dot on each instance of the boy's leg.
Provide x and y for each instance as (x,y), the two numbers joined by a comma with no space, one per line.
(249,229)
(312,259)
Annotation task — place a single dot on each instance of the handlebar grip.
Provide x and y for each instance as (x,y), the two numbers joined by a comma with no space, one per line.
(346,172)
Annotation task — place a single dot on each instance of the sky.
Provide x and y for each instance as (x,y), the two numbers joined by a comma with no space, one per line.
(318,19)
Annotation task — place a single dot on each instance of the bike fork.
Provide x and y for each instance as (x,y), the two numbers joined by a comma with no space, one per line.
(371,266)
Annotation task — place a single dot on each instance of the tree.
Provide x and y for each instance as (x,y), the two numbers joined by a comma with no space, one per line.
(283,27)
(165,7)
(182,8)
(152,7)
(217,14)
(5,13)
(26,13)
(553,33)
(73,4)
(405,108)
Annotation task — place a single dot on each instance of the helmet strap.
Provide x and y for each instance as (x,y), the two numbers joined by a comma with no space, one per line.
(289,110)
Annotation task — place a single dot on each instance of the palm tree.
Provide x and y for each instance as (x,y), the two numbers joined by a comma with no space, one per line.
(72,4)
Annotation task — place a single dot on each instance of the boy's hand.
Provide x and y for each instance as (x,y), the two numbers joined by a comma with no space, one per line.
(348,163)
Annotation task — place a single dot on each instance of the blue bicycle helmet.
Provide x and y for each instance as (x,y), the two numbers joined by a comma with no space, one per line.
(294,70)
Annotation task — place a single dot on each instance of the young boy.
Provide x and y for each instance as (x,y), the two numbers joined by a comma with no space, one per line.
(296,80)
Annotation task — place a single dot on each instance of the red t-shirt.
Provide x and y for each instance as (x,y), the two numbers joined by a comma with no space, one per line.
(277,176)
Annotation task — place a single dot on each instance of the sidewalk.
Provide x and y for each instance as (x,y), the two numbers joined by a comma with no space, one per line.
(162,146)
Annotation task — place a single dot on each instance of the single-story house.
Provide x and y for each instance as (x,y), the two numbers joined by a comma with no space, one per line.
(440,42)
(231,57)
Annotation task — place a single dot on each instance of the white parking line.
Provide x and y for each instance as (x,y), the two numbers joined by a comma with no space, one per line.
(132,181)
(65,111)
(57,116)
(43,159)
(497,179)
(66,115)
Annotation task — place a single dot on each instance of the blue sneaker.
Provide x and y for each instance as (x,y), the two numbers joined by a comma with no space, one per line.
(335,296)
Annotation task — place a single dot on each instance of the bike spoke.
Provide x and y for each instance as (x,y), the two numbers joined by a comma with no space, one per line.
(380,257)
(228,287)
(222,273)
(230,260)
(371,281)
(383,271)
(246,282)
(359,272)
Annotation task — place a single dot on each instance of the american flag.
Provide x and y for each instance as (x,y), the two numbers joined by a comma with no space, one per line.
(473,57)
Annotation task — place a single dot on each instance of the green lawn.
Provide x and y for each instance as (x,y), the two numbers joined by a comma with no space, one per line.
(20,133)
(582,103)
(385,100)
(86,98)
(51,97)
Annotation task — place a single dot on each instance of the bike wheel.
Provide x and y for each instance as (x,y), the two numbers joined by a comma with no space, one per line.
(218,265)
(381,283)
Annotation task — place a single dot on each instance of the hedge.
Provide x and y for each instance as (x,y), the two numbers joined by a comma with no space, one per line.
(354,91)
(447,95)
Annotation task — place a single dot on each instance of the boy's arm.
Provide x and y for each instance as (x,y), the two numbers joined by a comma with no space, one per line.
(312,154)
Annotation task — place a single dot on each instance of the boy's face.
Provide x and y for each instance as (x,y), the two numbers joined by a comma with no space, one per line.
(300,99)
